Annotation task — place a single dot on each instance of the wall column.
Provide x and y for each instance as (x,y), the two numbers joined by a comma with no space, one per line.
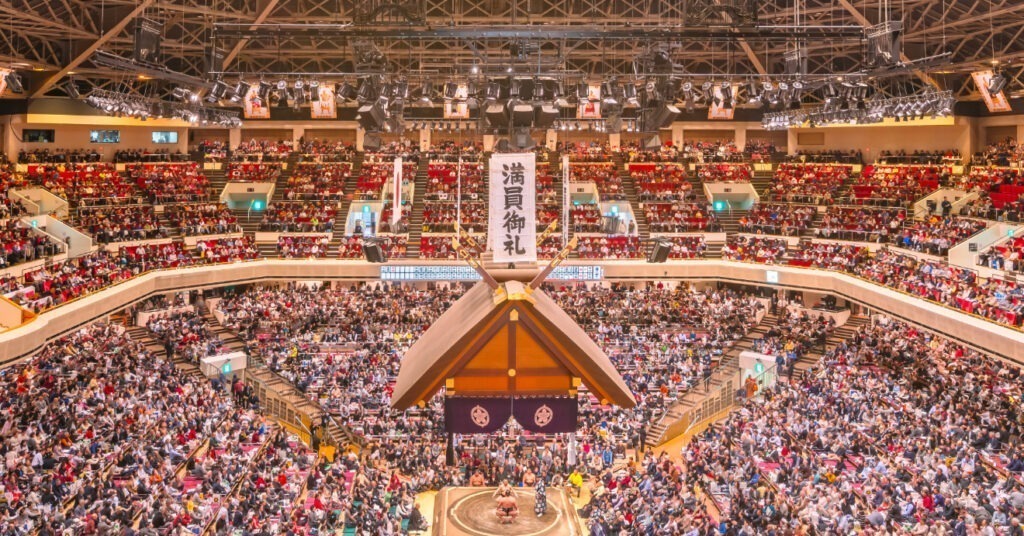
(551,139)
(424,139)
(1020,132)
(615,140)
(10,138)
(741,138)
(677,135)
(297,134)
(360,134)
(488,142)
(791,141)
(234,137)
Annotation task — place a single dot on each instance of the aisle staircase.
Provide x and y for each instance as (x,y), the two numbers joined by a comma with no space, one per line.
(416,214)
(341,217)
(841,333)
(629,186)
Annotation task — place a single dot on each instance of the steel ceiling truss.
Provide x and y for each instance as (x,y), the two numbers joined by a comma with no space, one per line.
(48,34)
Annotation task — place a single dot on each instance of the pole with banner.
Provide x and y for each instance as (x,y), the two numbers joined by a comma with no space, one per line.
(565,199)
(396,207)
(512,190)
(458,191)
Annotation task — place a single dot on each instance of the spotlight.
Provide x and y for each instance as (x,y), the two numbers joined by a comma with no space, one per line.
(608,93)
(708,91)
(263,91)
(240,92)
(345,91)
(726,91)
(996,83)
(582,91)
(450,89)
(218,92)
(314,91)
(15,83)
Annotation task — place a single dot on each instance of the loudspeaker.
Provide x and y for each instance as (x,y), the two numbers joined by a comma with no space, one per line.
(371,141)
(660,117)
(496,115)
(653,143)
(521,139)
(373,252)
(372,117)
(610,225)
(659,252)
(502,146)
(545,116)
(148,34)
(522,114)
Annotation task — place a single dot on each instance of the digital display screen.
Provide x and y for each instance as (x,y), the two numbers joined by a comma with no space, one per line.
(105,136)
(466,273)
(165,136)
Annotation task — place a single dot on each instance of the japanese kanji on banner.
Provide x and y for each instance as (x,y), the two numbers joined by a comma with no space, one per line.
(324,107)
(253,107)
(513,213)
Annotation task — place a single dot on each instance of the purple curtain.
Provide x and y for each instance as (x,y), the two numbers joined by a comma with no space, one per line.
(546,415)
(475,415)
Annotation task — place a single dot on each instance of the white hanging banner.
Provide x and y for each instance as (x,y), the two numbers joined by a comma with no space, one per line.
(513,207)
(396,207)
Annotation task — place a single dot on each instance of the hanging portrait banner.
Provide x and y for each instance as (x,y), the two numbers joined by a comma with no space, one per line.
(254,107)
(512,227)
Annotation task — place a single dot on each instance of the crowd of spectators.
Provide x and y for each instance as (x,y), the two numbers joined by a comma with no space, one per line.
(202,219)
(680,217)
(825,156)
(920,157)
(936,234)
(789,220)
(441,217)
(373,176)
(170,183)
(634,152)
(84,184)
(808,183)
(317,150)
(891,185)
(256,150)
(712,151)
(212,150)
(445,182)
(253,172)
(585,151)
(661,183)
(984,206)
(58,156)
(224,250)
(393,247)
(185,334)
(10,180)
(19,243)
(724,172)
(308,247)
(863,224)
(318,181)
(603,174)
(149,155)
(829,255)
(296,217)
(609,247)
(754,249)
(1001,153)
(688,247)
(585,217)
(1005,255)
(120,223)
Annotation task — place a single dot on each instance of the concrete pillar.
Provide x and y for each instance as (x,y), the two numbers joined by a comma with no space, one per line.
(12,146)
(360,134)
(297,134)
(551,139)
(488,142)
(1020,132)
(615,140)
(677,135)
(791,141)
(234,137)
(425,139)
(741,137)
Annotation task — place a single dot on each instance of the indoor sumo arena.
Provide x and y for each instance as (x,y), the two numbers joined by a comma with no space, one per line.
(524,268)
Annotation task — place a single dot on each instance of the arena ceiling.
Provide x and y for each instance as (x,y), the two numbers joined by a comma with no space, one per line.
(50,40)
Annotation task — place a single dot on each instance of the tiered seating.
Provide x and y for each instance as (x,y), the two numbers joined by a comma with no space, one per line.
(895,185)
(724,172)
(586,152)
(170,183)
(443,181)
(223,250)
(861,223)
(186,335)
(605,177)
(149,156)
(786,220)
(680,217)
(754,249)
(322,182)
(9,180)
(296,217)
(440,217)
(20,244)
(202,219)
(550,247)
(1004,186)
(936,235)
(437,247)
(262,151)
(253,172)
(394,247)
(401,226)
(1005,255)
(373,175)
(59,283)
(120,223)
(546,191)
(272,486)
(156,256)
(985,207)
(586,218)
(808,183)
(632,152)
(58,156)
(609,247)
(84,184)
(919,157)
(712,151)
(118,423)
(326,151)
(309,247)
(829,256)
(687,247)
(661,182)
